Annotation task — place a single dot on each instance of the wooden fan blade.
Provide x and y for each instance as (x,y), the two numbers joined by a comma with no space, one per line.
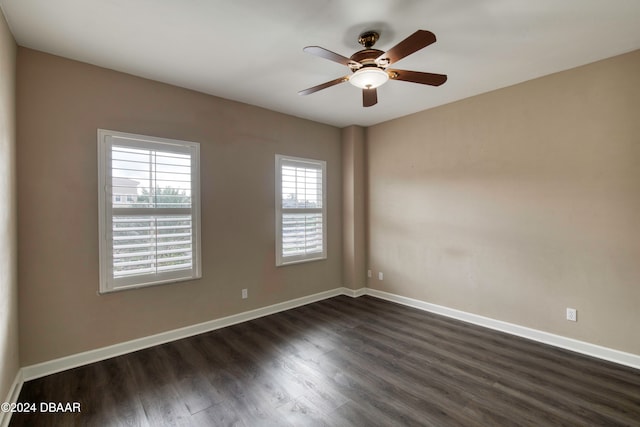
(417,77)
(323,86)
(369,97)
(416,41)
(331,56)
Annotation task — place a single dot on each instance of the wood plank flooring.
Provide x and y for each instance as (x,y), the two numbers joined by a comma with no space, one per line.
(343,362)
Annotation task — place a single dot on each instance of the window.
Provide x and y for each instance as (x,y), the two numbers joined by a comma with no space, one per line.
(149,210)
(301,219)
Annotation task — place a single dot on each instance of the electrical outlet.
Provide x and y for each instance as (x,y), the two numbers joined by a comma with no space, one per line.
(572,314)
(245,294)
(380,275)
(369,274)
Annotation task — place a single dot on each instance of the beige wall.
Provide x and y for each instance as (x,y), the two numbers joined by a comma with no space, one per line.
(353,208)
(518,203)
(513,205)
(8,225)
(61,104)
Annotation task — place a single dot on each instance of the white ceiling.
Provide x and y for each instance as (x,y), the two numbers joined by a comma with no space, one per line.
(251,50)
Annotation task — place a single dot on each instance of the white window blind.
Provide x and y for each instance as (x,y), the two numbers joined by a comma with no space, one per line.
(300,210)
(149,210)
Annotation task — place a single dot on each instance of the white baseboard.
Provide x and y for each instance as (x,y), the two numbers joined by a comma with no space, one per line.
(605,353)
(68,362)
(12,397)
(354,293)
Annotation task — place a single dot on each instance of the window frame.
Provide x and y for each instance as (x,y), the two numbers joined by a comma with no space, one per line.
(106,140)
(282,260)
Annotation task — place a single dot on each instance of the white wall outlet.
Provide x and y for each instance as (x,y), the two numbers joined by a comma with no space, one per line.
(572,314)
(245,294)
(369,273)
(380,275)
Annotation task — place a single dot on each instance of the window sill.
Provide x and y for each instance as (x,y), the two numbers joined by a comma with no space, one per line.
(300,261)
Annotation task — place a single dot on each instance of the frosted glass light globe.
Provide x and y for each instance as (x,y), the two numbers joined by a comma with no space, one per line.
(369,78)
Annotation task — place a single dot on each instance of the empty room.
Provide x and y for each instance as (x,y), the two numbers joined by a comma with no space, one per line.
(323,213)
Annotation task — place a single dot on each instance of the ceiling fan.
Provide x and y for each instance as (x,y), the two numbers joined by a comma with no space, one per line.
(369,66)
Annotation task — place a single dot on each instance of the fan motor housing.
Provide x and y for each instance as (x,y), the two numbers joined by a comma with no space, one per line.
(367,57)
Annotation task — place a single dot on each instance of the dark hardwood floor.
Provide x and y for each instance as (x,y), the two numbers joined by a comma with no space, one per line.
(343,362)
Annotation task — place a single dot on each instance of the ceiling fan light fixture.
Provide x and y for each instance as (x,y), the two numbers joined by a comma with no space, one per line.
(369,78)
(369,66)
